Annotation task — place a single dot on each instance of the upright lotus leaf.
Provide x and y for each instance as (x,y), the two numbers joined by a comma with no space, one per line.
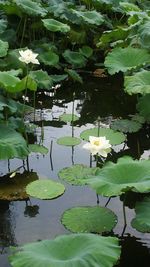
(77,174)
(45,189)
(31,8)
(14,188)
(89,220)
(126,175)
(143,107)
(43,80)
(144,34)
(74,75)
(90,17)
(76,59)
(12,144)
(8,81)
(26,82)
(68,141)
(126,126)
(142,220)
(128,7)
(49,58)
(56,78)
(86,51)
(3,48)
(124,59)
(76,250)
(139,83)
(114,137)
(55,25)
(3,25)
(38,149)
(68,117)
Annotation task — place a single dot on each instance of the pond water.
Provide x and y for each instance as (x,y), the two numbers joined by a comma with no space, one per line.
(28,221)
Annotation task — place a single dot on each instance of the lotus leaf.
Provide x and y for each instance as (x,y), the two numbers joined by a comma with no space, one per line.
(91,17)
(126,175)
(89,219)
(14,188)
(138,83)
(55,25)
(126,126)
(58,78)
(124,59)
(31,8)
(75,58)
(112,36)
(3,25)
(44,81)
(74,75)
(142,220)
(26,82)
(3,48)
(76,174)
(68,117)
(45,189)
(68,141)
(143,106)
(49,58)
(38,149)
(114,137)
(144,34)
(12,144)
(76,250)
(8,81)
(86,51)
(128,7)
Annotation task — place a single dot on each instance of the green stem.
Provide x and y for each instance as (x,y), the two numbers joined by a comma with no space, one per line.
(23,32)
(23,111)
(72,120)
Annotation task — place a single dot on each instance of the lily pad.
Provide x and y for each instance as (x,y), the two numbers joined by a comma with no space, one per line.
(38,149)
(68,141)
(76,174)
(68,117)
(114,138)
(124,59)
(126,175)
(12,144)
(89,220)
(76,250)
(14,188)
(126,126)
(142,220)
(45,189)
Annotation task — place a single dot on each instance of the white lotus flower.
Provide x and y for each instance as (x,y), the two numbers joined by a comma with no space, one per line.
(98,145)
(28,56)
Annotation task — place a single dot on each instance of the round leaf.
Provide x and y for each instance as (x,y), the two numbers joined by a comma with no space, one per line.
(126,126)
(38,149)
(49,58)
(143,107)
(55,25)
(138,83)
(76,174)
(68,117)
(89,220)
(45,189)
(75,58)
(68,141)
(142,220)
(31,8)
(76,250)
(115,138)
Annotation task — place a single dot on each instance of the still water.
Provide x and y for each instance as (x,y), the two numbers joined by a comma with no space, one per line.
(28,221)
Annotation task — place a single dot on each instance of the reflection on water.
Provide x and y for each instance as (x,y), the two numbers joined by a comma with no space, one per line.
(31,220)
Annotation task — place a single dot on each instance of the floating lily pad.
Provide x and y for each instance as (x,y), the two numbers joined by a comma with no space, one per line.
(68,141)
(68,117)
(14,188)
(89,220)
(126,126)
(38,149)
(114,138)
(142,220)
(126,175)
(76,174)
(12,144)
(45,189)
(76,250)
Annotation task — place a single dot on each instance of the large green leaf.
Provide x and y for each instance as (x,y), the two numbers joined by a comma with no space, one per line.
(12,144)
(49,58)
(90,17)
(75,58)
(68,117)
(142,220)
(126,175)
(74,75)
(114,137)
(38,149)
(138,83)
(124,59)
(45,189)
(126,126)
(3,25)
(3,48)
(8,81)
(89,220)
(44,81)
(144,34)
(76,174)
(32,8)
(68,141)
(55,25)
(86,51)
(14,188)
(75,250)
(143,106)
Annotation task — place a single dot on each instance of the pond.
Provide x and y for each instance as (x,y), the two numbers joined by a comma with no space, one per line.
(97,100)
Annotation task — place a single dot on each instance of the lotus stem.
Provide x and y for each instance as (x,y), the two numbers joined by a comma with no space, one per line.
(50,154)
(23,32)
(34,96)
(108,201)
(97,196)
(72,156)
(124,214)
(98,126)
(72,120)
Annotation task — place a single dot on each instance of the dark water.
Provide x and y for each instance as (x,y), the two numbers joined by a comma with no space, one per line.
(22,222)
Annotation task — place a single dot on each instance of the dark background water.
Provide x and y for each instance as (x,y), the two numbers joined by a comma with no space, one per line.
(23,222)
